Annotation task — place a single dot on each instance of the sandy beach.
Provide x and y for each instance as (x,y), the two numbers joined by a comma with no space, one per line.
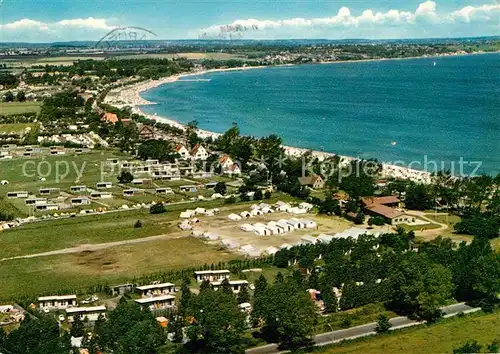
(130,96)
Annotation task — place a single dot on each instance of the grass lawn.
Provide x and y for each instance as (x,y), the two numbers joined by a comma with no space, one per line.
(7,108)
(441,337)
(420,227)
(30,277)
(16,128)
(449,220)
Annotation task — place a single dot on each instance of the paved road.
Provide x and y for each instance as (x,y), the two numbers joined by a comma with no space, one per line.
(365,330)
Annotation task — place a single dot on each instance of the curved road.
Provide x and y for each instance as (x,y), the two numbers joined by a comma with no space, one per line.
(366,330)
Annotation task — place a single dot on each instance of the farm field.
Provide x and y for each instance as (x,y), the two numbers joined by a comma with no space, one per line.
(8,108)
(43,275)
(441,337)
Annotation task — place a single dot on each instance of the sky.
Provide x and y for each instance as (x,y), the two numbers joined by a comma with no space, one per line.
(77,20)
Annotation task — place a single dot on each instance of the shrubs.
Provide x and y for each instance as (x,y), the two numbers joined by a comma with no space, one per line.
(230,200)
(376,220)
(158,209)
(138,224)
(125,177)
(383,324)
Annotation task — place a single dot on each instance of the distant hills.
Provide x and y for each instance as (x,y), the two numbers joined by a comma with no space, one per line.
(245,42)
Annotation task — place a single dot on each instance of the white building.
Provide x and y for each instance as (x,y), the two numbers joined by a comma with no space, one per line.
(183,152)
(211,275)
(56,302)
(162,302)
(103,185)
(156,289)
(199,153)
(85,313)
(236,285)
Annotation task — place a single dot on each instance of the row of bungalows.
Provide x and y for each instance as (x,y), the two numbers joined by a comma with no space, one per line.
(211,275)
(78,189)
(49,191)
(163,302)
(104,185)
(236,285)
(164,190)
(35,201)
(156,289)
(131,192)
(101,195)
(166,176)
(79,201)
(91,313)
(142,181)
(57,302)
(47,207)
(17,195)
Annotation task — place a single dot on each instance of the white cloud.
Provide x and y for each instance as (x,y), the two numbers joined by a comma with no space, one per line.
(484,13)
(27,30)
(98,23)
(420,21)
(24,23)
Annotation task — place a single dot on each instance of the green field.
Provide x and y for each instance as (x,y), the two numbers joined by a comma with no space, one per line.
(16,128)
(34,276)
(8,108)
(441,337)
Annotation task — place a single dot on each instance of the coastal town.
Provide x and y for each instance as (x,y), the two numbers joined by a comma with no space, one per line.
(128,232)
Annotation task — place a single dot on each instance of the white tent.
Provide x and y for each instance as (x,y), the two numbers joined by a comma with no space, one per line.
(245,214)
(197,233)
(353,232)
(275,228)
(309,224)
(297,210)
(296,223)
(200,211)
(264,205)
(306,206)
(286,245)
(271,250)
(254,206)
(261,230)
(217,196)
(256,212)
(325,238)
(284,208)
(285,226)
(308,239)
(234,217)
(211,236)
(187,214)
(229,243)
(267,210)
(247,227)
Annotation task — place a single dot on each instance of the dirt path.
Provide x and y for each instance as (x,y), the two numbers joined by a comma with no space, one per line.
(429,232)
(95,247)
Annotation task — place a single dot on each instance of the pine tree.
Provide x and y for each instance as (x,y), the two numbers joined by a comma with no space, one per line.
(243,295)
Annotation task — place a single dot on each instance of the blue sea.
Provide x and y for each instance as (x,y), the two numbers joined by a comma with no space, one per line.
(398,111)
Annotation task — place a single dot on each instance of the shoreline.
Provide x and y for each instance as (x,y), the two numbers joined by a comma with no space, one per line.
(130,96)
